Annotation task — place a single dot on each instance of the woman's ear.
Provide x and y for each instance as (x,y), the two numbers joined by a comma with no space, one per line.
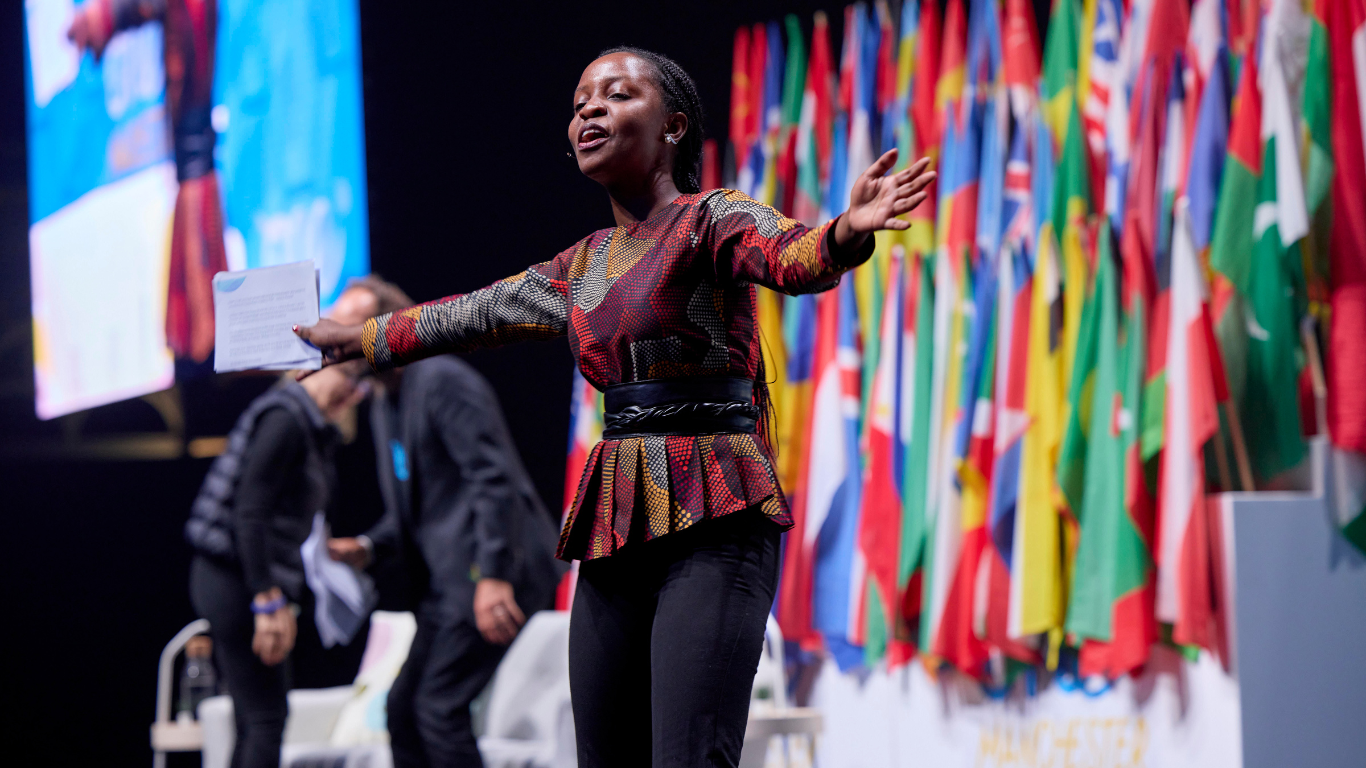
(675,128)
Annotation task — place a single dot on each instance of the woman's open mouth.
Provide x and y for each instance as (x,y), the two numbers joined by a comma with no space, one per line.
(592,136)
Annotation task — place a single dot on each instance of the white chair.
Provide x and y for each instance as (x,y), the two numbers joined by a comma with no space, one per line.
(342,726)
(778,735)
(528,722)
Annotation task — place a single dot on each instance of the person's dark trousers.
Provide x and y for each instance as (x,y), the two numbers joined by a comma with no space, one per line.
(220,595)
(664,641)
(448,665)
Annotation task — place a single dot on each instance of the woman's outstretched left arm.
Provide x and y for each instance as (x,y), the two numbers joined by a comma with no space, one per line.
(755,243)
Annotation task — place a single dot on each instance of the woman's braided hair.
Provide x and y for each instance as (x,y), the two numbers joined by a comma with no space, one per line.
(680,95)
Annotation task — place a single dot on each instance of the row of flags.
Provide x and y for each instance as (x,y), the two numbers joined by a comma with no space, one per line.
(999,436)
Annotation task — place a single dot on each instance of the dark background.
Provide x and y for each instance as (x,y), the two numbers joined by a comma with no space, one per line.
(466,108)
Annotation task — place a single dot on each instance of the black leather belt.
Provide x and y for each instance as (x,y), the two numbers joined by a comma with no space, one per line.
(704,405)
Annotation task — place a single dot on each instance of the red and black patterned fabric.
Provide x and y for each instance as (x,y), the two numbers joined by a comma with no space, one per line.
(671,296)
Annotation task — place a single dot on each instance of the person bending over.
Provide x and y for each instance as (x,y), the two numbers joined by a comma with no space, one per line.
(476,542)
(252,513)
(678,514)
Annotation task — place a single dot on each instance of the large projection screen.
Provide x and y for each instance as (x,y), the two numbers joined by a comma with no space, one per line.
(141,186)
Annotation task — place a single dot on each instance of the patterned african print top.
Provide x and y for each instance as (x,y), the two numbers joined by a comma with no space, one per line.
(670,296)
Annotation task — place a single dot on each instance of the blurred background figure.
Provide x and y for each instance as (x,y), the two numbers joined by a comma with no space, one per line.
(476,541)
(197,250)
(252,513)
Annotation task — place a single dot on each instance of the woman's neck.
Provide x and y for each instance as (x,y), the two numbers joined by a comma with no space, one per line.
(640,202)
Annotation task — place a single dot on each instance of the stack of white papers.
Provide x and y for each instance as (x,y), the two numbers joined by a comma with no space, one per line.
(254,312)
(343,597)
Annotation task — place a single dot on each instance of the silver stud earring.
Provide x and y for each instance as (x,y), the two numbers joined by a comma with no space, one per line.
(670,139)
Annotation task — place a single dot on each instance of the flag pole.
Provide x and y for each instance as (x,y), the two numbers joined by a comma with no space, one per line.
(1221,462)
(1235,433)
(1311,351)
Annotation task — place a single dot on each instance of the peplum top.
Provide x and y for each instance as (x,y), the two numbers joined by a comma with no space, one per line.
(665,298)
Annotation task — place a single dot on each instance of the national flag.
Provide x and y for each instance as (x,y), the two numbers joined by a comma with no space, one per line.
(1020,44)
(793,607)
(1117,127)
(794,82)
(866,279)
(1171,180)
(585,430)
(1317,133)
(1203,43)
(1111,598)
(741,119)
(914,402)
(749,173)
(958,641)
(1102,79)
(1011,417)
(1209,145)
(1071,209)
(1346,22)
(1037,603)
(880,521)
(834,476)
(815,127)
(919,239)
(957,231)
(1316,107)
(1267,275)
(1060,55)
(765,164)
(1185,596)
(818,559)
(952,64)
(924,116)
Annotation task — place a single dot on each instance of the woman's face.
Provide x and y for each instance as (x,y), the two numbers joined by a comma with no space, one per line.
(619,122)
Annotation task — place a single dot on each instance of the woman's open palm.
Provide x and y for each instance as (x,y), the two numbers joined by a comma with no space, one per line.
(876,199)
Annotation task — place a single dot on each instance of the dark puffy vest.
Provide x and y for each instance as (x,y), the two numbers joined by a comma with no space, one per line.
(210,527)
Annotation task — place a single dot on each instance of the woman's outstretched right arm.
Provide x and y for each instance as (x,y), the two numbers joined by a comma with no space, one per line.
(528,306)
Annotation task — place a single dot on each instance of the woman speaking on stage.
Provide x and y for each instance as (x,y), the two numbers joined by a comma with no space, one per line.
(678,514)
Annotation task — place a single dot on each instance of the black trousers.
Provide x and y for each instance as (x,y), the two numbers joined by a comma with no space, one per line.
(448,665)
(664,641)
(219,594)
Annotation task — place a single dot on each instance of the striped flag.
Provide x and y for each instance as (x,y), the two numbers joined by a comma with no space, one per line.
(834,476)
(1111,599)
(1347,357)
(737,150)
(1011,418)
(814,128)
(1184,576)
(914,400)
(585,430)
(880,523)
(1020,45)
(924,116)
(794,82)
(1060,58)
(1102,79)
(749,173)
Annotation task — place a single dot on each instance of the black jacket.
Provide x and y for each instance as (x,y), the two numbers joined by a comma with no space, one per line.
(459,504)
(256,505)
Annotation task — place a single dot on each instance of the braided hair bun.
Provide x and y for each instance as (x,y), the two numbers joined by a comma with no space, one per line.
(680,95)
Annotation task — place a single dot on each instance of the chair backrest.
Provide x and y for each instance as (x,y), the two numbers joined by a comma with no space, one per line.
(532,681)
(770,682)
(360,720)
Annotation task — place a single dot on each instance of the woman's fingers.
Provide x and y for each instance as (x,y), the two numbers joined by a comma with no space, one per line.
(915,170)
(881,165)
